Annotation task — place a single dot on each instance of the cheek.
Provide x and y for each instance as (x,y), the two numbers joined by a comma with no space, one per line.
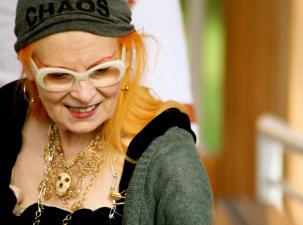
(111,96)
(49,100)
(110,92)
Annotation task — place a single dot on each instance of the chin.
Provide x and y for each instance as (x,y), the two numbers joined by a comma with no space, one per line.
(82,129)
(85,126)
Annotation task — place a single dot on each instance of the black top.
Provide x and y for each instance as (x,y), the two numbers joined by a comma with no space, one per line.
(55,216)
(12,117)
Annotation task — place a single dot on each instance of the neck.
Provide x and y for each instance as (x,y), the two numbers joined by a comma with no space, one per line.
(73,143)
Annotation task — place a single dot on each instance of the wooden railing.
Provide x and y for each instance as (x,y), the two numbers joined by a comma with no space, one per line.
(275,139)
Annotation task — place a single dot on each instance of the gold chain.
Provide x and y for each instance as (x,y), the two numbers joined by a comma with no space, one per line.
(87,163)
(115,196)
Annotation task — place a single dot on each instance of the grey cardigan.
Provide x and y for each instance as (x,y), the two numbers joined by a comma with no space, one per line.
(169,185)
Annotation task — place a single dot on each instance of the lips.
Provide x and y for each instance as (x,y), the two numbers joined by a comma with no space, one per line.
(83,109)
(82,112)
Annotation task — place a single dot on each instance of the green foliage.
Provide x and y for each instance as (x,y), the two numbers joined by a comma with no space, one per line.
(212,73)
(213,76)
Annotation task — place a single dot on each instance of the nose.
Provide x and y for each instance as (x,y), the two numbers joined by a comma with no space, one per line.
(83,91)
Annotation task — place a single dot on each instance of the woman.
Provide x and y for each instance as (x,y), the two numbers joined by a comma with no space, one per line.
(84,142)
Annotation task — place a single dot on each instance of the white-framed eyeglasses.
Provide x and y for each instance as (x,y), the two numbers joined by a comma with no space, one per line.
(59,80)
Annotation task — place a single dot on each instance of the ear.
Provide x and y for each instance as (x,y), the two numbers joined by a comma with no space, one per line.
(29,75)
(28,71)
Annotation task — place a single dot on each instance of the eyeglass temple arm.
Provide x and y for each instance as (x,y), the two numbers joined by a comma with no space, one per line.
(123,57)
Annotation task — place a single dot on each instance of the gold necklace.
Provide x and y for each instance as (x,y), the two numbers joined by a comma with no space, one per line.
(55,161)
(66,179)
(69,180)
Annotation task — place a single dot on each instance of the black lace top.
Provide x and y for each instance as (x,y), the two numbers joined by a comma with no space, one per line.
(53,215)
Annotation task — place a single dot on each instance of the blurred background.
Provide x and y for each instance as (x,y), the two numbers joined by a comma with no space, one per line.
(247,72)
(241,76)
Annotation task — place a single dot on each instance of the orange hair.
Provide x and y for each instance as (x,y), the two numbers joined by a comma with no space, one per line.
(135,108)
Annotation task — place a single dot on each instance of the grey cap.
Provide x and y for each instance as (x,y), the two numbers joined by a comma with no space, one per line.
(36,19)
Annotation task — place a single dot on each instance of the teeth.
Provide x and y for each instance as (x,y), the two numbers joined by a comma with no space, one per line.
(83,110)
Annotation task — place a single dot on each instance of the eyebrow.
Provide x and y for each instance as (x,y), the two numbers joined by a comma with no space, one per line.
(99,61)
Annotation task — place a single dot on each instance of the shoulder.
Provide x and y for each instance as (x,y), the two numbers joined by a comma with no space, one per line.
(160,138)
(174,154)
(174,139)
(167,137)
(13,108)
(171,182)
(8,88)
(11,96)
(175,144)
(157,128)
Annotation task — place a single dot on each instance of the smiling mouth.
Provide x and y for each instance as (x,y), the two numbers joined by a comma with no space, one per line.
(83,109)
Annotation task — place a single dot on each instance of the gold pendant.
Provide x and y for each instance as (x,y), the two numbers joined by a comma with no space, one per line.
(63,184)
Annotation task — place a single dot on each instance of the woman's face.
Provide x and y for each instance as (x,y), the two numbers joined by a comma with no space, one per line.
(83,108)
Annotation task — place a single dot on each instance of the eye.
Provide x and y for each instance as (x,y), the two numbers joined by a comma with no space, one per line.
(57,76)
(101,71)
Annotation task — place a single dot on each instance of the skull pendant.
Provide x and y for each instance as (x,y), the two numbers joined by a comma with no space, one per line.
(63,184)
